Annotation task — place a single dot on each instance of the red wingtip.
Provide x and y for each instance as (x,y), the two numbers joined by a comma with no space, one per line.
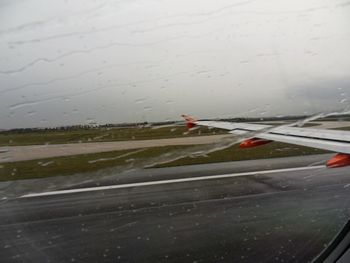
(190,122)
(253,142)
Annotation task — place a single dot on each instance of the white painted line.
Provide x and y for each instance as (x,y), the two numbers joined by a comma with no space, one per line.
(171,181)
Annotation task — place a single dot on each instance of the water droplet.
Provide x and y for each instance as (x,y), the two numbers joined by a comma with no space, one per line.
(45,163)
(202,72)
(141,100)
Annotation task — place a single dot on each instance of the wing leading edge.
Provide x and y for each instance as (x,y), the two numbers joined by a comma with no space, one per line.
(332,140)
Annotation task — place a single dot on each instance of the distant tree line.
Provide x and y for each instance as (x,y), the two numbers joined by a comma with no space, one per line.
(149,124)
(85,127)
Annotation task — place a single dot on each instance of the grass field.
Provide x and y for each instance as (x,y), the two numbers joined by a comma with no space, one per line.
(101,135)
(78,163)
(94,162)
(342,128)
(234,153)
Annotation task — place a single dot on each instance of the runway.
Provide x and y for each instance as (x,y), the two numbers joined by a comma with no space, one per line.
(268,214)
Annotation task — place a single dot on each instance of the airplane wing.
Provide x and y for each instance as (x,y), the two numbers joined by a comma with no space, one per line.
(258,134)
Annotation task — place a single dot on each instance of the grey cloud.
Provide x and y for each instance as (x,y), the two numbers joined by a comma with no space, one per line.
(126,61)
(329,90)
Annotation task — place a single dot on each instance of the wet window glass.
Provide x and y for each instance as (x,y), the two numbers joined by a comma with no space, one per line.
(173,131)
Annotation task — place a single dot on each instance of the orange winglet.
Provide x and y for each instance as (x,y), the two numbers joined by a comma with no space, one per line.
(339,160)
(190,122)
(253,142)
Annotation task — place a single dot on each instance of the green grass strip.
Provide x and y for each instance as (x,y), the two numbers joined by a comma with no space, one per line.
(87,163)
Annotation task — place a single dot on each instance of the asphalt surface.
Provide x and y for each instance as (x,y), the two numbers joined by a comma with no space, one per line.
(276,216)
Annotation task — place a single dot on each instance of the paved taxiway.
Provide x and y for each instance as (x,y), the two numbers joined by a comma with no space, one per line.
(32,152)
(285,215)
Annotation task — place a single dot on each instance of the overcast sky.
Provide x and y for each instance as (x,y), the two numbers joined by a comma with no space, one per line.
(76,62)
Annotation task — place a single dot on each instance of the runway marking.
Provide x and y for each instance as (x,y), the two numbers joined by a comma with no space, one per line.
(171,181)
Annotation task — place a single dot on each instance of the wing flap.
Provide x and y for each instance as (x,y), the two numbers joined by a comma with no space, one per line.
(342,147)
(322,134)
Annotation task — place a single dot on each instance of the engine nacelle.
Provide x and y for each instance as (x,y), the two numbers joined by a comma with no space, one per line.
(253,142)
(339,160)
